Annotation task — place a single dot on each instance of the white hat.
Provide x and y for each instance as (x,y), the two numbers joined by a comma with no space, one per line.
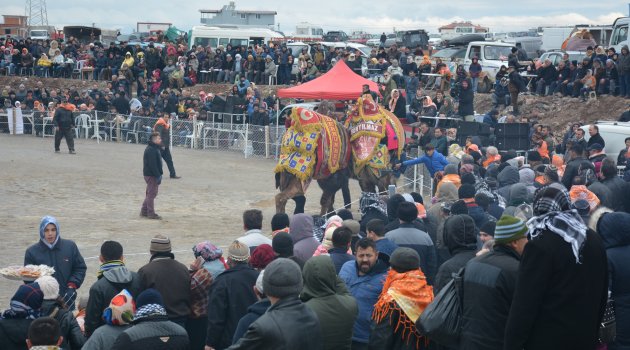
(259,282)
(49,286)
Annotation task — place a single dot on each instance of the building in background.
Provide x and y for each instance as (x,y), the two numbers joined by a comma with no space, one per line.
(230,16)
(456,29)
(152,27)
(14,25)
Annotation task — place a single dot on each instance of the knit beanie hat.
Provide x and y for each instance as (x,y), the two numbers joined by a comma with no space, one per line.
(509,229)
(282,244)
(238,252)
(49,286)
(466,191)
(262,256)
(404,259)
(121,309)
(30,295)
(283,278)
(160,244)
(353,225)
(149,296)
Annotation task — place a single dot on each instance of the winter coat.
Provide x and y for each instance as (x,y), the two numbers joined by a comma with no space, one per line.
(153,332)
(603,193)
(301,231)
(152,161)
(339,256)
(287,325)
(13,333)
(618,189)
(254,238)
(507,177)
(447,192)
(466,99)
(461,241)
(614,229)
(385,246)
(489,283)
(104,289)
(229,297)
(558,303)
(365,290)
(64,257)
(572,168)
(73,338)
(63,118)
(327,295)
(623,63)
(253,313)
(104,337)
(172,279)
(408,236)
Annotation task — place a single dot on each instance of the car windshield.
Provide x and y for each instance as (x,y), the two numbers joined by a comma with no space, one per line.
(497,52)
(446,53)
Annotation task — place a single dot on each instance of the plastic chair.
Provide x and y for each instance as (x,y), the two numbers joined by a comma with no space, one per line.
(592,95)
(274,77)
(133,132)
(27,71)
(82,122)
(77,71)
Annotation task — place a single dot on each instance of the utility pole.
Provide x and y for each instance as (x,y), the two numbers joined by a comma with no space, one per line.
(36,12)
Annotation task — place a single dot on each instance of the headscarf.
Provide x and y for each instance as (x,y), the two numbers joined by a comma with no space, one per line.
(578,192)
(121,309)
(207,251)
(371,200)
(552,209)
(409,294)
(262,256)
(25,303)
(456,151)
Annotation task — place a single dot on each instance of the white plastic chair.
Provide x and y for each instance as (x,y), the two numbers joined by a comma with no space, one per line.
(82,122)
(133,132)
(274,76)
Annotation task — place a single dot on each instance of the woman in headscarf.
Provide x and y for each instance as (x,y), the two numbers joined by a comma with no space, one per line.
(447,110)
(562,280)
(25,306)
(397,105)
(331,224)
(429,108)
(209,263)
(118,317)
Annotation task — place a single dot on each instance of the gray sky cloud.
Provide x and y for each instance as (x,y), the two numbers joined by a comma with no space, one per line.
(369,16)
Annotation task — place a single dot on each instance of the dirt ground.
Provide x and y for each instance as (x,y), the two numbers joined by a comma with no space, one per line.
(96,196)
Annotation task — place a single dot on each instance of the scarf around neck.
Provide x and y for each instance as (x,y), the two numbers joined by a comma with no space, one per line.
(108,265)
(409,294)
(20,310)
(566,224)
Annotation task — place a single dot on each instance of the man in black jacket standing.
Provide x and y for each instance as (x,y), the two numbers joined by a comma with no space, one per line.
(489,284)
(64,125)
(152,171)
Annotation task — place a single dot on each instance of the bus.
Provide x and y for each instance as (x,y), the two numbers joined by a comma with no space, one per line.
(216,36)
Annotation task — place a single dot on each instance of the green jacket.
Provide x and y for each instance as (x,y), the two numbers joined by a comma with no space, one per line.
(327,295)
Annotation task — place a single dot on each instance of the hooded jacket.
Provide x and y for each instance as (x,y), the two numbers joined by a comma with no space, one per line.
(301,231)
(507,177)
(447,192)
(104,289)
(73,338)
(623,63)
(327,295)
(461,241)
(614,229)
(63,116)
(365,290)
(63,255)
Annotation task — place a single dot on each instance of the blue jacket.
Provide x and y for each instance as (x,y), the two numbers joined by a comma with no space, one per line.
(435,163)
(339,257)
(366,290)
(63,255)
(386,246)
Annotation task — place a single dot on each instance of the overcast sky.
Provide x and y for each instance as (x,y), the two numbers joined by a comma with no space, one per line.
(373,16)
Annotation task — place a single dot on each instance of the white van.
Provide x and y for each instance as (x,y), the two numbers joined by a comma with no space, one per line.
(531,44)
(613,133)
(215,36)
(619,37)
(492,55)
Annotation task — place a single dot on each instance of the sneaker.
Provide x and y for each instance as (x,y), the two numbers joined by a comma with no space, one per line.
(72,152)
(56,151)
(154,217)
(176,177)
(143,214)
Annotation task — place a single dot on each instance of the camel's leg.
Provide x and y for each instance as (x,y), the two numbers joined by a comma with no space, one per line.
(290,188)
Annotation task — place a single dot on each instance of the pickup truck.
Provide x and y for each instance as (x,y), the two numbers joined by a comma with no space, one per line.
(492,55)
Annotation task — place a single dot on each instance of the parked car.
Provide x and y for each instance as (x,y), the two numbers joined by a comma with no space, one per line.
(491,55)
(335,36)
(556,56)
(449,53)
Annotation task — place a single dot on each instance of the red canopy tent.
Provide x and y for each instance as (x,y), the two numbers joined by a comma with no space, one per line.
(339,83)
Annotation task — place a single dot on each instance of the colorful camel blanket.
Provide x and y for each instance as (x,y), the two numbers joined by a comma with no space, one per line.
(369,124)
(315,146)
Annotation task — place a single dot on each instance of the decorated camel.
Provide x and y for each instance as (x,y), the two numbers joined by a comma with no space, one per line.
(317,147)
